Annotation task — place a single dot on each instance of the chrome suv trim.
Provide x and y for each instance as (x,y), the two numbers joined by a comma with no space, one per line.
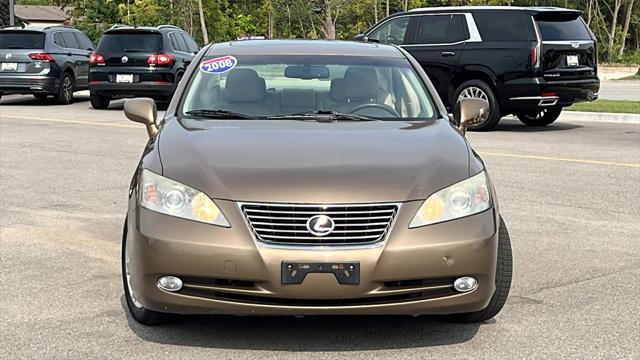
(285,225)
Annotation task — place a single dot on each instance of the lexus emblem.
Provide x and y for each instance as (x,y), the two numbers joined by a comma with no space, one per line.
(8,56)
(124,59)
(320,225)
(575,44)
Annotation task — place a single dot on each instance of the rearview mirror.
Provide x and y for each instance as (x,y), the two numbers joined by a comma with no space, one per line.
(360,37)
(142,110)
(306,72)
(469,112)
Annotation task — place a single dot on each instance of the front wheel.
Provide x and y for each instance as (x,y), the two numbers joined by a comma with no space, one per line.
(541,116)
(504,270)
(138,311)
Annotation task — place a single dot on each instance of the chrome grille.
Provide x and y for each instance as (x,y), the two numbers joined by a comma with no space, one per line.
(286,224)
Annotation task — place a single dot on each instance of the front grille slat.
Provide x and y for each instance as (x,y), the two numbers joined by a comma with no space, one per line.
(286,224)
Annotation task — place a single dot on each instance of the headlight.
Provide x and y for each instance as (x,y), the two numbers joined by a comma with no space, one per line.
(465,198)
(169,197)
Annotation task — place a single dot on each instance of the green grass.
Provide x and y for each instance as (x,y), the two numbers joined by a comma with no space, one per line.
(631,77)
(611,106)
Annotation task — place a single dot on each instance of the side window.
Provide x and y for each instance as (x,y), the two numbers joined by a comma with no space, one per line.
(193,47)
(177,42)
(85,43)
(58,40)
(70,40)
(514,26)
(441,29)
(174,43)
(391,32)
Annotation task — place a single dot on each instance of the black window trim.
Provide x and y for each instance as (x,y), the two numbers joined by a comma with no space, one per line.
(472,29)
(176,33)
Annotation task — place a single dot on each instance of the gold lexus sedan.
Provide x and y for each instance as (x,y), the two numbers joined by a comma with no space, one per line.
(298,177)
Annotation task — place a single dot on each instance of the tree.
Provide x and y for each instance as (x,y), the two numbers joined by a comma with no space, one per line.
(203,26)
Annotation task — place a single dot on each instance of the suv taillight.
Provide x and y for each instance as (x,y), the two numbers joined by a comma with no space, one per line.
(96,58)
(160,59)
(41,56)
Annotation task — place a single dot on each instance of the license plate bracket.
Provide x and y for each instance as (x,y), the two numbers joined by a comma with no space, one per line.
(346,273)
(572,60)
(9,66)
(124,78)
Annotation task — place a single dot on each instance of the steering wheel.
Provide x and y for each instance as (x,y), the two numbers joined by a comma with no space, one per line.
(383,107)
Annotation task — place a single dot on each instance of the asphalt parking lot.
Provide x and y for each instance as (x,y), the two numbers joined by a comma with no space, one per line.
(569,194)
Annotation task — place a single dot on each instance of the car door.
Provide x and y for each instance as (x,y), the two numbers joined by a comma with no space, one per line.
(438,44)
(78,58)
(86,47)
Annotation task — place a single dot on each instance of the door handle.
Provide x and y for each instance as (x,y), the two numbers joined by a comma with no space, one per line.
(447,53)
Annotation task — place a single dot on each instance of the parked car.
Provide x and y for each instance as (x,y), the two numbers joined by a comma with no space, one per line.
(527,61)
(296,177)
(44,61)
(139,61)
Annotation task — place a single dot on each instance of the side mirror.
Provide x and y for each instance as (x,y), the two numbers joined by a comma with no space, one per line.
(470,112)
(142,110)
(361,37)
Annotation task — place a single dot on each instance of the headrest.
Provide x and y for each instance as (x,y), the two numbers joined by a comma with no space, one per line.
(298,98)
(336,92)
(361,83)
(244,85)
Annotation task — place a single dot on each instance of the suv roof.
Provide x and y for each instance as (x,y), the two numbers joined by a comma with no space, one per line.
(37,28)
(159,28)
(532,9)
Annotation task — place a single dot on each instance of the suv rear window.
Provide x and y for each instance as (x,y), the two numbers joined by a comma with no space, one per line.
(130,42)
(21,40)
(563,30)
(507,26)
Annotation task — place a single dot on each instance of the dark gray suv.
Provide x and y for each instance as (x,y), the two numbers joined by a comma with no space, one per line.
(49,61)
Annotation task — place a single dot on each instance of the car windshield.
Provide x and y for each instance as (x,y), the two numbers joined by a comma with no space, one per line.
(341,88)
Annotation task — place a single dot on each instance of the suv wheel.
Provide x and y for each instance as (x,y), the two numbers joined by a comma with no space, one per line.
(480,90)
(99,101)
(138,311)
(504,270)
(540,117)
(65,94)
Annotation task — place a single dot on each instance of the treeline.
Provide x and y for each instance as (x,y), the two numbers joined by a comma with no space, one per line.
(616,23)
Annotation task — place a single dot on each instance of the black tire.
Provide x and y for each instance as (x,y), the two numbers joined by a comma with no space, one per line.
(541,117)
(139,313)
(99,102)
(65,93)
(469,87)
(504,271)
(40,96)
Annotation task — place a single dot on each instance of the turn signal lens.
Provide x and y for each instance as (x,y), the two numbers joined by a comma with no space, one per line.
(160,59)
(96,58)
(465,198)
(41,56)
(169,197)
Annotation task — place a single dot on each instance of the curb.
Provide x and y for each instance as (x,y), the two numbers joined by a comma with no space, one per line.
(599,117)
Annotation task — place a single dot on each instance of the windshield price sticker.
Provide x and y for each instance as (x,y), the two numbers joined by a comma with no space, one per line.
(219,65)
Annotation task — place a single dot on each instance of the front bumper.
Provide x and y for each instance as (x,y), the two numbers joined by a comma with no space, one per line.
(28,84)
(225,271)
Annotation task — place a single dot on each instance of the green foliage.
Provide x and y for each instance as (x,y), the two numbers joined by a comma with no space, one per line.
(228,19)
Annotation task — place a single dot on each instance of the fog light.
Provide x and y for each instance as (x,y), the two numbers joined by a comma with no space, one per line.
(170,283)
(465,284)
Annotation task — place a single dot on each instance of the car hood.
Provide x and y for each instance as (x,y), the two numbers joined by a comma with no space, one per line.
(310,162)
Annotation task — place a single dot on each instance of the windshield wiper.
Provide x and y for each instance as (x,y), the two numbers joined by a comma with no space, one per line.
(217,114)
(322,116)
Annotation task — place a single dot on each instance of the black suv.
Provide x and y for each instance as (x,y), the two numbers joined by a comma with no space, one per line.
(526,61)
(44,61)
(139,61)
